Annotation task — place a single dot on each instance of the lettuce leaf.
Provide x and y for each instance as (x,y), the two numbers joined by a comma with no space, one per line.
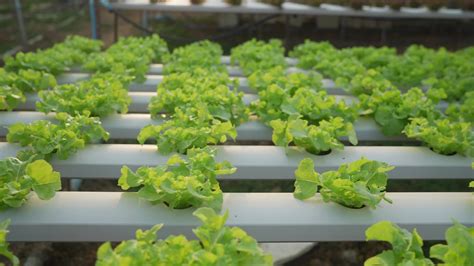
(181,183)
(354,185)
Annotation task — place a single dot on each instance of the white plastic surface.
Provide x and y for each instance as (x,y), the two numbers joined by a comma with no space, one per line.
(261,162)
(269,217)
(152,81)
(128,126)
(140,101)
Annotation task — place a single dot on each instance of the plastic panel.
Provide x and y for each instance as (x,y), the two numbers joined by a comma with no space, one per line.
(129,125)
(269,217)
(261,162)
(152,81)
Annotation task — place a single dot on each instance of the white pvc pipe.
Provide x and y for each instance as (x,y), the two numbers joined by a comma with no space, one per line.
(269,217)
(129,125)
(261,162)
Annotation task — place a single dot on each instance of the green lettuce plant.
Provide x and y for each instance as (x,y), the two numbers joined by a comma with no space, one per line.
(314,139)
(44,138)
(27,80)
(439,69)
(216,244)
(124,62)
(314,106)
(354,185)
(310,53)
(268,107)
(393,109)
(57,59)
(460,244)
(327,60)
(463,111)
(19,178)
(4,246)
(256,55)
(371,57)
(406,246)
(185,90)
(443,136)
(181,183)
(83,44)
(130,56)
(102,95)
(10,97)
(367,82)
(416,64)
(204,54)
(13,86)
(193,128)
(261,79)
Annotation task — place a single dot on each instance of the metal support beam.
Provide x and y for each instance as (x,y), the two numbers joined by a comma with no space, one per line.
(21,23)
(116,27)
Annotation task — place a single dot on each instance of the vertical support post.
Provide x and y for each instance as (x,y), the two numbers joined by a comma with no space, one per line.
(75,184)
(316,25)
(342,28)
(65,184)
(259,27)
(384,26)
(116,21)
(383,37)
(459,33)
(97,15)
(21,24)
(95,18)
(249,32)
(145,19)
(287,32)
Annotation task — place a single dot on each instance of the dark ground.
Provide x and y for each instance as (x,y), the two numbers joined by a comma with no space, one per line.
(180,29)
